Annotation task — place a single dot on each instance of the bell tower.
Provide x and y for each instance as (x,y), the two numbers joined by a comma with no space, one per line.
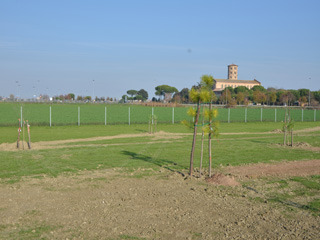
(233,72)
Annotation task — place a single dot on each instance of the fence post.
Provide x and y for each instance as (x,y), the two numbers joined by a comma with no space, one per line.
(129,116)
(302,114)
(275,115)
(105,115)
(261,115)
(173,115)
(245,114)
(228,115)
(152,115)
(78,116)
(314,115)
(21,116)
(50,116)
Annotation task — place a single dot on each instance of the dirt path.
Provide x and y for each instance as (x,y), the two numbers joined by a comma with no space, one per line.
(61,143)
(292,168)
(104,205)
(157,136)
(307,130)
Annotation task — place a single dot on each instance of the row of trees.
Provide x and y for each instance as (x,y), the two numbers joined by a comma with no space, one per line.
(259,95)
(232,96)
(163,91)
(270,96)
(72,97)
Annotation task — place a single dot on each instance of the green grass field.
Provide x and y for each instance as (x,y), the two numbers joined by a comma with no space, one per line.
(238,144)
(67,114)
(251,145)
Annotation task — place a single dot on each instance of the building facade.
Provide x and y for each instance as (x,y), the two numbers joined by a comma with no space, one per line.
(232,81)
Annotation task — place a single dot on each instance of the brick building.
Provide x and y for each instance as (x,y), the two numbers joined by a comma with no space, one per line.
(232,81)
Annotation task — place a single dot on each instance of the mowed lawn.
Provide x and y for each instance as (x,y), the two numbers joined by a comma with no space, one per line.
(253,143)
(101,114)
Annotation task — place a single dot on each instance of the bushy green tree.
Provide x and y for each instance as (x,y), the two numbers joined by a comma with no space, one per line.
(184,95)
(226,96)
(272,97)
(259,88)
(161,90)
(240,97)
(143,93)
(304,92)
(259,97)
(242,89)
(132,92)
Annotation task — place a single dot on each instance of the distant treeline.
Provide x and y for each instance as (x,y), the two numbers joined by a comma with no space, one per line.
(259,95)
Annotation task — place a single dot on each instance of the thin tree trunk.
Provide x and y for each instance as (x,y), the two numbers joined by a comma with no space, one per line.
(209,142)
(285,129)
(291,137)
(202,140)
(194,139)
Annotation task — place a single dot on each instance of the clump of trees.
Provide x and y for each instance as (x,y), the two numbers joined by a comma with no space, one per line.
(182,96)
(165,91)
(141,95)
(67,97)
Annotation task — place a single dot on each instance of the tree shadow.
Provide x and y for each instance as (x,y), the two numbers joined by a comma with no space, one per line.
(159,162)
(261,141)
(141,130)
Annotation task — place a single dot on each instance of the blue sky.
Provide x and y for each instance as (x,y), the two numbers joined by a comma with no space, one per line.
(53,47)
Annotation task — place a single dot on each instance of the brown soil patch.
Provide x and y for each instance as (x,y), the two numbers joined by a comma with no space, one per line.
(277,131)
(306,146)
(105,205)
(220,179)
(306,130)
(294,168)
(301,145)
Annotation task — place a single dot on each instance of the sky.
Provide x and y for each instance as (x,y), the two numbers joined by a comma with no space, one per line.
(104,48)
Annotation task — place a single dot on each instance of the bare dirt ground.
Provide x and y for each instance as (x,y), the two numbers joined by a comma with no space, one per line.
(104,205)
(292,168)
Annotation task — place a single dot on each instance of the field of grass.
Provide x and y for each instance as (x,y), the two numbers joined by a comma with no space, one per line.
(147,154)
(67,114)
(250,145)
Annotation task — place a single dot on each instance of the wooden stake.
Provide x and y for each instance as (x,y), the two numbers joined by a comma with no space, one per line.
(285,129)
(29,138)
(202,140)
(19,133)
